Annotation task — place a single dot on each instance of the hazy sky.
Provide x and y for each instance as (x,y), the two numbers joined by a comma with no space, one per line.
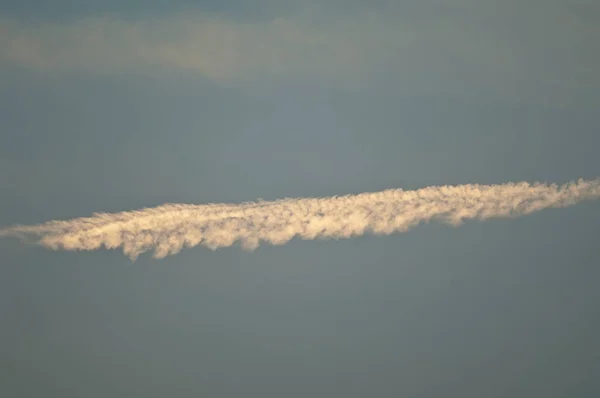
(108,107)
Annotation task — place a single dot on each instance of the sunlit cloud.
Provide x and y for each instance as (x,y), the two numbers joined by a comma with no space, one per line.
(167,229)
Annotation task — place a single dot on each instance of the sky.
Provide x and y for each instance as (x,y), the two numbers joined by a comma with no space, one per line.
(108,107)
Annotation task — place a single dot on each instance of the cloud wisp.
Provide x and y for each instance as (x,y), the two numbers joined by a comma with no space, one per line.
(465,47)
(168,228)
(222,49)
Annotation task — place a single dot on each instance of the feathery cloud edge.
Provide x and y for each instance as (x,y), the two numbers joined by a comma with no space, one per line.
(168,228)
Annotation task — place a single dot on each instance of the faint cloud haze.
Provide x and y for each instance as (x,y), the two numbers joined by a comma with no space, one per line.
(428,46)
(168,228)
(214,46)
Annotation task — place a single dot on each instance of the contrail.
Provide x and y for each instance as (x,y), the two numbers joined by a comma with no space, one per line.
(170,227)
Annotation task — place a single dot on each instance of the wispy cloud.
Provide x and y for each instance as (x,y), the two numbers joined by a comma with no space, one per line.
(168,228)
(214,46)
(431,45)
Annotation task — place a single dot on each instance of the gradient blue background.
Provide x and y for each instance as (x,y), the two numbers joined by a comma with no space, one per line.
(495,309)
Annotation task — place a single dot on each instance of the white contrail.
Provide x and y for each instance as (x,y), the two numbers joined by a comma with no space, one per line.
(169,227)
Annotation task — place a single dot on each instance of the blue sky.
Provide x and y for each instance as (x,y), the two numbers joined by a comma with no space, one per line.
(108,107)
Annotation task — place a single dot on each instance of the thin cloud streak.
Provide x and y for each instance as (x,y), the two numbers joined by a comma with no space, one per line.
(465,47)
(168,228)
(219,48)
